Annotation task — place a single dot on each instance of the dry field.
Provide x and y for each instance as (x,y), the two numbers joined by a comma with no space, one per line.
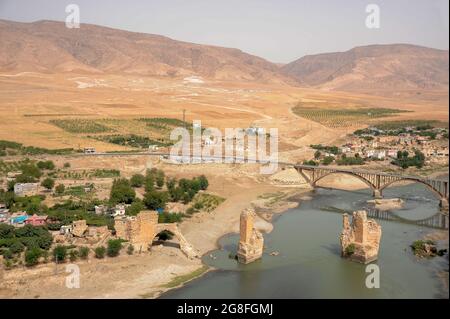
(76,111)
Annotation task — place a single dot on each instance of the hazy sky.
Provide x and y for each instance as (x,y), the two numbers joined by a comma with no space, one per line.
(278,30)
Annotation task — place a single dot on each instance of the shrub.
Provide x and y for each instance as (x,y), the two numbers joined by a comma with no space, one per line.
(114,247)
(60,189)
(59,253)
(83,252)
(137,180)
(73,255)
(32,256)
(155,200)
(130,250)
(100,252)
(350,250)
(48,183)
(122,192)
(48,165)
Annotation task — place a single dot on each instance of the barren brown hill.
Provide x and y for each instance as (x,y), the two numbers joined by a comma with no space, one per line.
(50,47)
(374,68)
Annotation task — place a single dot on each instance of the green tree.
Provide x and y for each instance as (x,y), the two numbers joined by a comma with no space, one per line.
(48,183)
(32,256)
(100,252)
(122,192)
(135,207)
(114,247)
(59,254)
(160,178)
(137,180)
(154,199)
(203,182)
(327,160)
(317,155)
(149,183)
(48,165)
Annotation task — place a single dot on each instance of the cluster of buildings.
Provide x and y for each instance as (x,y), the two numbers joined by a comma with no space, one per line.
(386,147)
(118,210)
(20,219)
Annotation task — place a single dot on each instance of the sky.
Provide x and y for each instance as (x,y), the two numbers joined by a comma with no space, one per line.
(278,30)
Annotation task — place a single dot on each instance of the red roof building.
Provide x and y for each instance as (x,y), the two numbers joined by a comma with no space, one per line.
(36,220)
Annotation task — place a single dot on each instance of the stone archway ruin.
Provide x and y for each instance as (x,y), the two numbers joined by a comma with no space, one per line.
(142,229)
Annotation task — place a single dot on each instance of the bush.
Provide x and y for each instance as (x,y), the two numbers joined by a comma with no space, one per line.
(48,183)
(73,255)
(203,182)
(122,192)
(100,252)
(114,247)
(32,256)
(130,250)
(60,189)
(135,208)
(137,180)
(83,252)
(66,165)
(350,250)
(48,165)
(154,200)
(59,253)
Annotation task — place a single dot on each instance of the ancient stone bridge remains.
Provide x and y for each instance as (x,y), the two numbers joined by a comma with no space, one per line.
(141,230)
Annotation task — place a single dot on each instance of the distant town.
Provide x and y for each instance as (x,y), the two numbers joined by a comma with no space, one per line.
(402,146)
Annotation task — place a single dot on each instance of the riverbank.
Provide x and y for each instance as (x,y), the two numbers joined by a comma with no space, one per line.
(149,274)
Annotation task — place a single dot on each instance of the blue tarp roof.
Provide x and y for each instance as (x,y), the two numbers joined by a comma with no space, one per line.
(19,219)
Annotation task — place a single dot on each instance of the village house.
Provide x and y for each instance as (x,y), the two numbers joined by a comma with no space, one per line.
(4,216)
(36,220)
(100,209)
(119,210)
(392,153)
(26,189)
(18,219)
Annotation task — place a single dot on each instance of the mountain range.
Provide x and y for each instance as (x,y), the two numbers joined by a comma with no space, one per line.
(50,47)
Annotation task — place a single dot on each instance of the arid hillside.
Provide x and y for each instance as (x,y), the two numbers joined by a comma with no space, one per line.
(374,68)
(50,47)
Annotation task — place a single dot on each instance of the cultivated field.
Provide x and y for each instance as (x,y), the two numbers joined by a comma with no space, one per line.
(53,111)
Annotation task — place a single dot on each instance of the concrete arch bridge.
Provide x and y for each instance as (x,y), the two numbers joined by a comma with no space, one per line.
(375,180)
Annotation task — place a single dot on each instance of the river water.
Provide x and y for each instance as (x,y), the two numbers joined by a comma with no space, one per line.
(309,264)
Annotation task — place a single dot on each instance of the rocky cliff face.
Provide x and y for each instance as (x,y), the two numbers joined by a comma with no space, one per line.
(360,240)
(251,243)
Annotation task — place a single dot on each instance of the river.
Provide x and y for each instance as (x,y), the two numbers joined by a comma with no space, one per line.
(309,264)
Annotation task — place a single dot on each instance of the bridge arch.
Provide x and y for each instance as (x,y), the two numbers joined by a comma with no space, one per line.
(366,181)
(435,191)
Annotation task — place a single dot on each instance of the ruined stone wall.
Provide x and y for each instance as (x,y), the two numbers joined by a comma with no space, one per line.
(79,227)
(141,230)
